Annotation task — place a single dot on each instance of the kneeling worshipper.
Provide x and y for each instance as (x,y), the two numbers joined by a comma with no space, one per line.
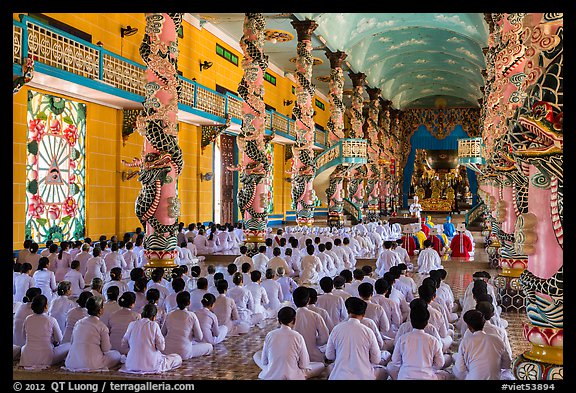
(461,244)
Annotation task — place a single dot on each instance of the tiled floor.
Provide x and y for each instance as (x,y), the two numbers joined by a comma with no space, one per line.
(232,360)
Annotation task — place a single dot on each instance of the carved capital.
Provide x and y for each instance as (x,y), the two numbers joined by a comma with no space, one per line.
(357,78)
(336,58)
(304,28)
(373,93)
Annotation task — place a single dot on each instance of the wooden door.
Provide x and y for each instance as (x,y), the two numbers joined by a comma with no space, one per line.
(227,190)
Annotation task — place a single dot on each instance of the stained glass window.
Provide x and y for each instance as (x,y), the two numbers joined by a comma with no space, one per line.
(55,169)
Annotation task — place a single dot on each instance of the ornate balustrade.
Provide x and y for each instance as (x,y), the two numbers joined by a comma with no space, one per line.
(470,153)
(352,209)
(474,213)
(61,51)
(345,151)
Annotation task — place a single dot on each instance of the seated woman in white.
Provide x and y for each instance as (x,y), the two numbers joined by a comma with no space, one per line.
(75,278)
(212,333)
(23,311)
(45,279)
(182,331)
(43,346)
(60,306)
(227,312)
(284,354)
(90,348)
(116,280)
(111,305)
(118,322)
(274,292)
(244,301)
(201,243)
(76,314)
(146,344)
(22,282)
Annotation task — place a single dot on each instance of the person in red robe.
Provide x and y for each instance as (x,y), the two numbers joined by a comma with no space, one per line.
(408,242)
(461,244)
(436,242)
(425,228)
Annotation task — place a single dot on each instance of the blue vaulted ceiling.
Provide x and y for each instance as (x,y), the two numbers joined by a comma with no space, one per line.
(416,59)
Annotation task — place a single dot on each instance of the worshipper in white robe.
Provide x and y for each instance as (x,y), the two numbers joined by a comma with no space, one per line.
(242,258)
(227,312)
(60,305)
(427,293)
(276,261)
(405,283)
(185,255)
(415,208)
(259,295)
(260,260)
(480,356)
(111,305)
(197,294)
(428,259)
(387,259)
(287,284)
(116,280)
(273,291)
(391,309)
(224,242)
(34,257)
(417,354)
(487,310)
(350,253)
(284,355)
(146,343)
(201,244)
(397,296)
(354,348)
(328,263)
(322,312)
(443,296)
(76,314)
(62,261)
(130,258)
(311,269)
(45,279)
(376,313)
(161,284)
(114,259)
(244,302)
(333,304)
(402,253)
(95,267)
(83,256)
(22,312)
(43,347)
(75,278)
(118,322)
(310,325)
(23,282)
(212,332)
(182,331)
(90,348)
(338,262)
(178,286)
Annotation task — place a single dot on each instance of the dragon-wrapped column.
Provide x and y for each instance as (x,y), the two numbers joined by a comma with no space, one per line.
(255,164)
(537,139)
(336,129)
(373,167)
(157,206)
(357,176)
(303,165)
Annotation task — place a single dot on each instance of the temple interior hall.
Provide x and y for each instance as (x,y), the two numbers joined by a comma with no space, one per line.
(199,139)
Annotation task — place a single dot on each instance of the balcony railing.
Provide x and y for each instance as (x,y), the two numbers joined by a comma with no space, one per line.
(345,151)
(62,51)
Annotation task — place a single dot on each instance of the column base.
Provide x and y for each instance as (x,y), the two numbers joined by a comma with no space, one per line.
(511,296)
(527,369)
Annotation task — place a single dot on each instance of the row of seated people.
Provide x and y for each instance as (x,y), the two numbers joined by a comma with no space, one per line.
(223,312)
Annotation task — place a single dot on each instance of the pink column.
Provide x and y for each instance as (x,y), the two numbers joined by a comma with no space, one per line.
(303,164)
(157,205)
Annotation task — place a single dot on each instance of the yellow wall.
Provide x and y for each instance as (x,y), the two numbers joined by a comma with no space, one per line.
(109,200)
